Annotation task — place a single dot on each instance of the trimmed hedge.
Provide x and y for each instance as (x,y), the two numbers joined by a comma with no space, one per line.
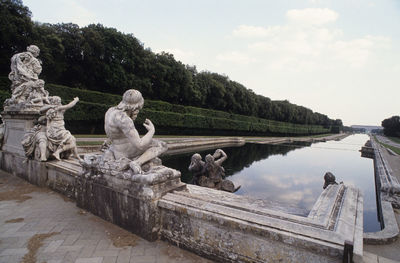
(3,96)
(88,116)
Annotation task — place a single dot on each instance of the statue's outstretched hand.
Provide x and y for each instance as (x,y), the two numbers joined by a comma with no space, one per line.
(149,125)
(76,99)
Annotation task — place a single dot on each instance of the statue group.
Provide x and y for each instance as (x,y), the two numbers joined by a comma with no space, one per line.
(27,89)
(125,153)
(210,173)
(48,138)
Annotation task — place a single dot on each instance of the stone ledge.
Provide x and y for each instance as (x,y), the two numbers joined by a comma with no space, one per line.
(235,232)
(391,230)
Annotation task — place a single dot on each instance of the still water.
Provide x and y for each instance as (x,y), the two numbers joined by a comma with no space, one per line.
(293,174)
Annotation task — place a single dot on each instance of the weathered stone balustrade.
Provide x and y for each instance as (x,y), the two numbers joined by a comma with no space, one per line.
(211,223)
(388,195)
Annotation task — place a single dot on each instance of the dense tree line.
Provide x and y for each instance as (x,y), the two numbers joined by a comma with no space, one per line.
(391,126)
(103,59)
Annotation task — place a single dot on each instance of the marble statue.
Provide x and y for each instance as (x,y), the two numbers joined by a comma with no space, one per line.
(197,168)
(27,89)
(35,143)
(210,173)
(329,179)
(124,150)
(49,136)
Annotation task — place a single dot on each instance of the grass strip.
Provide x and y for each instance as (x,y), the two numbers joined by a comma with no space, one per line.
(395,139)
(393,148)
(86,143)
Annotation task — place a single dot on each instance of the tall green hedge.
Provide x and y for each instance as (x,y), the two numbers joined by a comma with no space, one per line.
(88,116)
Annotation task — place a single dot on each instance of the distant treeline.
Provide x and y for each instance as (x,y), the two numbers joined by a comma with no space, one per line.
(103,59)
(88,116)
(391,126)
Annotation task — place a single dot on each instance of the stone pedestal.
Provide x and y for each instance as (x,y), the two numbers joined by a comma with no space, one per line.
(16,124)
(130,203)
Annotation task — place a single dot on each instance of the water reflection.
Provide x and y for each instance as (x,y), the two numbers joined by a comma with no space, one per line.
(239,157)
(293,174)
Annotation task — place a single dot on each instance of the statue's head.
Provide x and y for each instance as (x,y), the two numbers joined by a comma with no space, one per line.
(132,102)
(196,158)
(34,50)
(55,100)
(209,158)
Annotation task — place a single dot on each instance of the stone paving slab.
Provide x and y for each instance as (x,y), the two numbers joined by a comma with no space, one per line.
(74,235)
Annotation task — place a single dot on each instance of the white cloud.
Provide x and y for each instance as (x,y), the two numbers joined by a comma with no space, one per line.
(304,46)
(311,16)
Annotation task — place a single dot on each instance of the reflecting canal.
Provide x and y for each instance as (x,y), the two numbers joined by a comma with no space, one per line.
(292,174)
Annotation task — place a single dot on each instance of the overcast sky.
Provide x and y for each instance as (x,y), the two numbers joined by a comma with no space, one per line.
(336,57)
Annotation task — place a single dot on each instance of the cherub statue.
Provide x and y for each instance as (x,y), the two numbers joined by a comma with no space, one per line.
(211,173)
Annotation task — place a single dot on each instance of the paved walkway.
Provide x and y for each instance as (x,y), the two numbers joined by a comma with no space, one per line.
(39,225)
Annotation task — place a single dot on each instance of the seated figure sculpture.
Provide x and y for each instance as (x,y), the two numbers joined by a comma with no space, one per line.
(27,89)
(210,173)
(60,140)
(49,136)
(126,147)
(35,141)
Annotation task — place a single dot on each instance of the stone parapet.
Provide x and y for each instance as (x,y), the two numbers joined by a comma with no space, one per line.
(390,231)
(387,183)
(217,225)
(131,204)
(388,196)
(17,123)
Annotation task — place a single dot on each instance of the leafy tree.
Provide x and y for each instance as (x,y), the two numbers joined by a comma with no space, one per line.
(391,126)
(103,59)
(16,31)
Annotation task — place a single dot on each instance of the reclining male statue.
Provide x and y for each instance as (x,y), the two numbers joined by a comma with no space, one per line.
(126,146)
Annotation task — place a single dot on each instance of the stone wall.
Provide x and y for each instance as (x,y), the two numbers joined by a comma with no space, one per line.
(214,224)
(219,225)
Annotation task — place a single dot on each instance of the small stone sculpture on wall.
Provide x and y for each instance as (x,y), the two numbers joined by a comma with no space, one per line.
(27,89)
(210,173)
(329,179)
(49,136)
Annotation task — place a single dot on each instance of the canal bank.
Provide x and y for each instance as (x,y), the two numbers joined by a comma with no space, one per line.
(390,251)
(292,173)
(183,144)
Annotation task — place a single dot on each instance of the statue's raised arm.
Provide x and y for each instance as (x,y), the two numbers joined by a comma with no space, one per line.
(219,156)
